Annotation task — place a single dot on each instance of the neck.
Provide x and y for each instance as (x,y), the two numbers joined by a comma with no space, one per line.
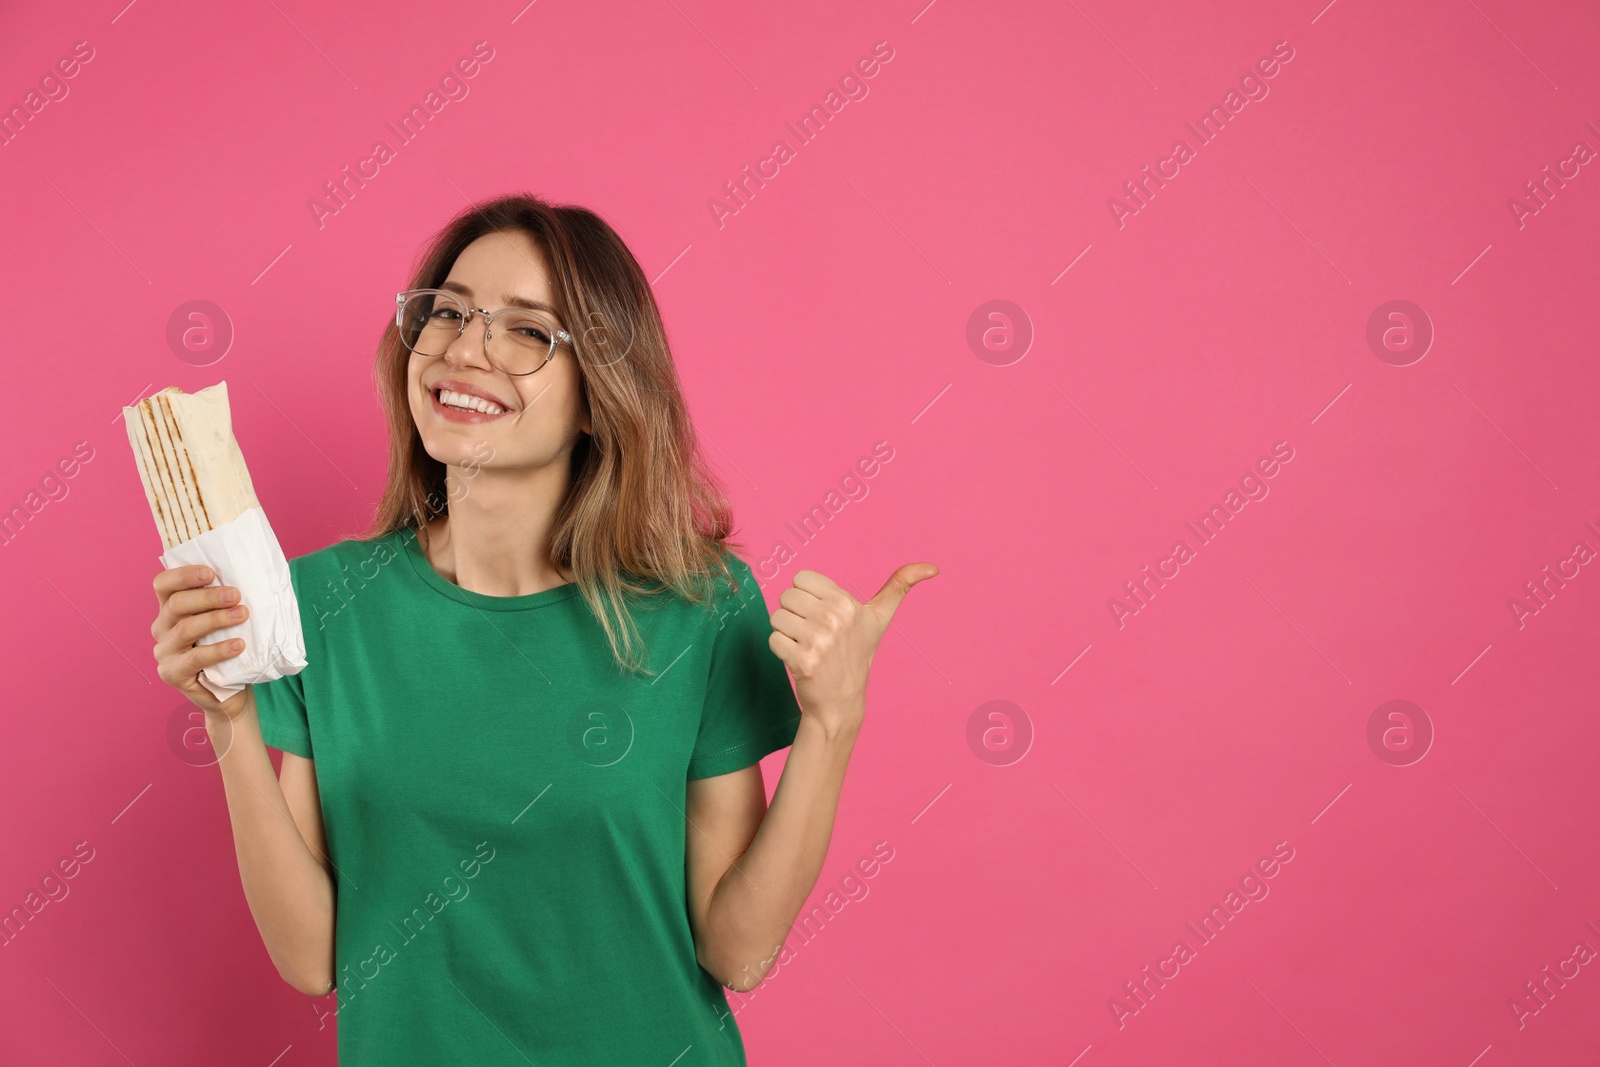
(495,536)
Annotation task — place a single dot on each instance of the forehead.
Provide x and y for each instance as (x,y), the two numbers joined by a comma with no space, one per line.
(502,270)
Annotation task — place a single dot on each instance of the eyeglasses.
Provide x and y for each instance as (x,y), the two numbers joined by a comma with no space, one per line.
(517,340)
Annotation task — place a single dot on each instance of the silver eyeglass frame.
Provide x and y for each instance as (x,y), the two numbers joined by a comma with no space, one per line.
(562,337)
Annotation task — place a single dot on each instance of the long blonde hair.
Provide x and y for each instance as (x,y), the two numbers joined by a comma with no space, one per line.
(645,513)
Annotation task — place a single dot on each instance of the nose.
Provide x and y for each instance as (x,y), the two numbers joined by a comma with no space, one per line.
(469,348)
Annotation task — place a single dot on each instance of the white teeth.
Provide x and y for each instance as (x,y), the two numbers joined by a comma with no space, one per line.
(465,402)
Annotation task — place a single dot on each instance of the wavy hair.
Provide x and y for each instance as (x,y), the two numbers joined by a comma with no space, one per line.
(644,512)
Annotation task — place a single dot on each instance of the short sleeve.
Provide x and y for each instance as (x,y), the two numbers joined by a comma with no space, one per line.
(750,708)
(281,710)
(281,703)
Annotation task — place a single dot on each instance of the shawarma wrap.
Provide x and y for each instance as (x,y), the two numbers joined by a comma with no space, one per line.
(206,511)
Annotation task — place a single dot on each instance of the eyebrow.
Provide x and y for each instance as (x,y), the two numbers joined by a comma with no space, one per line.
(510,300)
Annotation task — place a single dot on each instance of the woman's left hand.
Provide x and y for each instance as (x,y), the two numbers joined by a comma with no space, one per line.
(827,640)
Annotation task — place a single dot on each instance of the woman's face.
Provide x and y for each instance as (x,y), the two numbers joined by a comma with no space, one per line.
(543,412)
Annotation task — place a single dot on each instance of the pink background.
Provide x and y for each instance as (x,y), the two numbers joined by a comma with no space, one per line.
(1168,754)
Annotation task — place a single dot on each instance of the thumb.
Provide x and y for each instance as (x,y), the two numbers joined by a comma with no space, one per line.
(894,590)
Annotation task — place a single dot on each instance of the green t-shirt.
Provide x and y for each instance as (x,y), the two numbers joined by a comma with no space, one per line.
(505,809)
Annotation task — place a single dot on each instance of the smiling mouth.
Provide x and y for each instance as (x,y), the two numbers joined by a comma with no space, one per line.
(465,403)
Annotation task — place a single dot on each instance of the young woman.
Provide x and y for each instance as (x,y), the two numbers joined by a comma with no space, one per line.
(520,815)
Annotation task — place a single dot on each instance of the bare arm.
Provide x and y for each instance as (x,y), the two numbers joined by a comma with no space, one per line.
(750,868)
(282,850)
(277,823)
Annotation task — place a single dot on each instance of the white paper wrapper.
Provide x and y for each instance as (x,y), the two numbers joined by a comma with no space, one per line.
(245,554)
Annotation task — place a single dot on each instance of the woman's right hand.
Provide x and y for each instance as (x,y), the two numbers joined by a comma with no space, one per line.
(188,609)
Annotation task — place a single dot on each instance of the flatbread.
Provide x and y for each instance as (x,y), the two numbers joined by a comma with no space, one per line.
(194,474)
(188,483)
(182,495)
(161,466)
(148,479)
(204,425)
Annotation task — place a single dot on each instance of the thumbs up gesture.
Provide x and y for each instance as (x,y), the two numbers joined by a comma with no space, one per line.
(827,640)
